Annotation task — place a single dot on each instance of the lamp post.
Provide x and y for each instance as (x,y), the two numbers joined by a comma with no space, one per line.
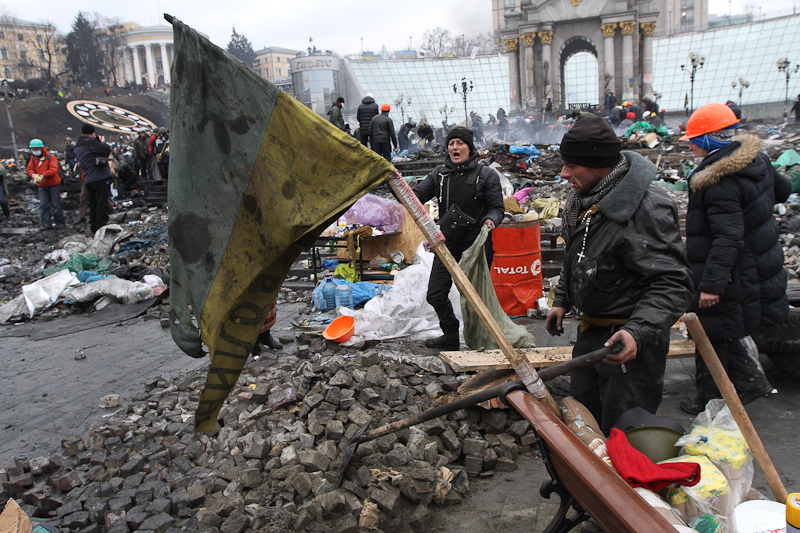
(783,66)
(697,63)
(443,111)
(742,85)
(399,103)
(465,89)
(4,82)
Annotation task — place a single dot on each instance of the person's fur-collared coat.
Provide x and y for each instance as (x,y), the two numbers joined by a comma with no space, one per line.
(732,239)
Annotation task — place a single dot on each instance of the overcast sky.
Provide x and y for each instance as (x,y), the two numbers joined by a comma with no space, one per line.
(337,25)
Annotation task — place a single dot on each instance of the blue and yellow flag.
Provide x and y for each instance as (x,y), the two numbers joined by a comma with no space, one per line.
(254,178)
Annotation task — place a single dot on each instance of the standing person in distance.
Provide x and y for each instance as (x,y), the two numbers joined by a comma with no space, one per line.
(43,170)
(92,153)
(367,110)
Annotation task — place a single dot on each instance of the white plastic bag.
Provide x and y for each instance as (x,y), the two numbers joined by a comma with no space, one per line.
(716,435)
(43,293)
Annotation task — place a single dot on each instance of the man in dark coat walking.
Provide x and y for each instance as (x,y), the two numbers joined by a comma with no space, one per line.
(92,153)
(382,133)
(367,110)
(140,155)
(733,248)
(624,270)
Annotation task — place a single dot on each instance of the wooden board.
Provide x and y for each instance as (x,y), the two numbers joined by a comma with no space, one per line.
(472,361)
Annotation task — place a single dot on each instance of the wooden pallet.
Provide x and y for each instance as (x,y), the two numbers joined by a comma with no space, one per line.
(473,361)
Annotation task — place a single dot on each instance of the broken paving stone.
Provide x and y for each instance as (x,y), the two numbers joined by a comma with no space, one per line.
(359,416)
(76,520)
(65,482)
(504,464)
(386,501)
(519,428)
(420,519)
(302,484)
(341,379)
(474,447)
(495,418)
(314,461)
(206,519)
(236,522)
(331,502)
(158,523)
(399,456)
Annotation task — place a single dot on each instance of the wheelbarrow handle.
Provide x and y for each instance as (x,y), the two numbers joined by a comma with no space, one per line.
(560,369)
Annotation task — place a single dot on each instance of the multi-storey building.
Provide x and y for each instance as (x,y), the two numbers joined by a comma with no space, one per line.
(29,50)
(272,63)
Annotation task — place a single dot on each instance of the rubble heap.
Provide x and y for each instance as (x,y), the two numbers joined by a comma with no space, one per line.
(274,463)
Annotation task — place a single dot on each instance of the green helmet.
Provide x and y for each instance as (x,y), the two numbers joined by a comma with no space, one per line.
(37,143)
(162,130)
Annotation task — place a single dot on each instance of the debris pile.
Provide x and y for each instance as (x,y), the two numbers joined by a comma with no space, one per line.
(273,466)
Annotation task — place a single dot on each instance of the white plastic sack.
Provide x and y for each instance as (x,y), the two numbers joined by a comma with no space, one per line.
(403,311)
(43,293)
(127,292)
(153,280)
(505,184)
(57,256)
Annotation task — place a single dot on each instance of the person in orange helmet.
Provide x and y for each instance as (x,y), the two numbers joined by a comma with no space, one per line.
(733,248)
(381,133)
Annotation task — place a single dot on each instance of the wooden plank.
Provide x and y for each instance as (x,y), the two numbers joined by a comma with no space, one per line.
(472,361)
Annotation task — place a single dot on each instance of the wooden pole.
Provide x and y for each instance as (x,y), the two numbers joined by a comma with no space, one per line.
(735,404)
(522,367)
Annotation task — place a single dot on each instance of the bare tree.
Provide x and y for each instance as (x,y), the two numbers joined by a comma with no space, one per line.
(436,42)
(110,40)
(47,46)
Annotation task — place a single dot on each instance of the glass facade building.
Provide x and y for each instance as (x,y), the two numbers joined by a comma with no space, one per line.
(429,84)
(315,81)
(748,51)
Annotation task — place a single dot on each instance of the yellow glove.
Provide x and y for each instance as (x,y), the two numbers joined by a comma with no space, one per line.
(38,178)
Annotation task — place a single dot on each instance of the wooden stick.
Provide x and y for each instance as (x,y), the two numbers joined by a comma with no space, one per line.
(735,404)
(521,366)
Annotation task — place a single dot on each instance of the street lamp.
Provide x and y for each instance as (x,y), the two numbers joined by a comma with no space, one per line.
(399,103)
(4,82)
(697,63)
(464,91)
(443,111)
(783,66)
(743,84)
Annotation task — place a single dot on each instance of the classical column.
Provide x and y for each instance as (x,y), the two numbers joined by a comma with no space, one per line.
(627,28)
(127,68)
(647,29)
(137,65)
(513,72)
(530,78)
(151,64)
(608,52)
(546,36)
(165,63)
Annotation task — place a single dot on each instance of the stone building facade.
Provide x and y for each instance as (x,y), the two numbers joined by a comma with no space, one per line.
(541,36)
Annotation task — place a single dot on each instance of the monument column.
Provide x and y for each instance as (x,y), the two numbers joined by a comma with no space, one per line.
(137,65)
(165,63)
(530,78)
(127,65)
(647,29)
(151,64)
(627,28)
(513,73)
(546,36)
(608,53)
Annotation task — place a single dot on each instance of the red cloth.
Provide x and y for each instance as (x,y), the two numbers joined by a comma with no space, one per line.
(639,471)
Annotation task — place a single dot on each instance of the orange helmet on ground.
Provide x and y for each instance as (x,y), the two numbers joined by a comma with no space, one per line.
(708,119)
(385,107)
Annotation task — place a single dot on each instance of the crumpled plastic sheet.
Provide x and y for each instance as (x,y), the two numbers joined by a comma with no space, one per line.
(45,292)
(403,311)
(105,238)
(127,292)
(385,214)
